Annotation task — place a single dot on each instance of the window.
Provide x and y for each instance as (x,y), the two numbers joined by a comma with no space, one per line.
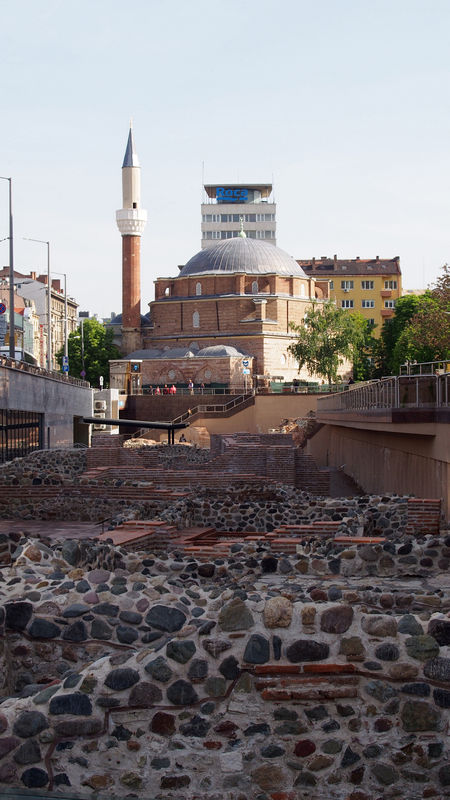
(346,285)
(389,303)
(331,285)
(371,321)
(198,289)
(211,234)
(265,217)
(255,287)
(211,218)
(346,303)
(167,291)
(367,285)
(250,217)
(390,284)
(195,319)
(368,303)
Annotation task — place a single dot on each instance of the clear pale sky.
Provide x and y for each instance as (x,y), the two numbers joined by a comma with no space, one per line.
(344,102)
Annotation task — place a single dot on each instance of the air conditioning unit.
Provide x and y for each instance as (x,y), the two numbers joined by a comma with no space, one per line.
(99,405)
(99,426)
(346,290)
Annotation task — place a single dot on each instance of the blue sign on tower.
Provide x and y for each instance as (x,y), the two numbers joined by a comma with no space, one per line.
(225,195)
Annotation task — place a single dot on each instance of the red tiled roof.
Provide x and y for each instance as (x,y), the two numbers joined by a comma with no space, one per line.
(351,266)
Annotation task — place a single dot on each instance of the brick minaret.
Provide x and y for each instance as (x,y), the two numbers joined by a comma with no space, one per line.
(131,220)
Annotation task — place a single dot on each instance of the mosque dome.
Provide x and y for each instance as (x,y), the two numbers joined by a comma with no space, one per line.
(219,350)
(241,254)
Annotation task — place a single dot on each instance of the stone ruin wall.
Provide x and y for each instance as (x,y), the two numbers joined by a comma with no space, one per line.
(165,678)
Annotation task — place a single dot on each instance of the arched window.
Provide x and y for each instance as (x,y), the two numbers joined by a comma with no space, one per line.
(255,287)
(198,289)
(167,291)
(302,290)
(195,319)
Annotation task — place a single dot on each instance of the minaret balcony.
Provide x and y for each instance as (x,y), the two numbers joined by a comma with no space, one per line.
(131,221)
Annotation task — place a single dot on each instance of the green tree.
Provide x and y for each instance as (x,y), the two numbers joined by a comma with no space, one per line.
(367,355)
(405,308)
(427,335)
(419,330)
(328,336)
(98,349)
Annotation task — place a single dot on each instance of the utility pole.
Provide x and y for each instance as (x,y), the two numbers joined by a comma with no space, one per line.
(12,338)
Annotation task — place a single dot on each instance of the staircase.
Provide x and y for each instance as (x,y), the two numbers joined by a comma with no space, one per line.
(238,403)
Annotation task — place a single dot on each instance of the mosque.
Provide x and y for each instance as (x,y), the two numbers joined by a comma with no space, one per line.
(223,321)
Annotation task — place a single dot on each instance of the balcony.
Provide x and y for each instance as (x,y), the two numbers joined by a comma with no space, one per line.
(387,312)
(386,293)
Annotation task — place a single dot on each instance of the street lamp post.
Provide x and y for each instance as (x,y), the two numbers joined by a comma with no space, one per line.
(12,346)
(49,302)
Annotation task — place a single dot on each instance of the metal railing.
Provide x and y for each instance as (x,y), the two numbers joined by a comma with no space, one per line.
(215,409)
(22,366)
(403,391)
(282,388)
(197,390)
(425,368)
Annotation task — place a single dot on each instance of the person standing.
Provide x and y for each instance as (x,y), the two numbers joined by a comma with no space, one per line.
(191,387)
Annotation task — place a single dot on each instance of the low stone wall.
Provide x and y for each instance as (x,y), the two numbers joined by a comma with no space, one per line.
(265,508)
(64,506)
(45,467)
(166,678)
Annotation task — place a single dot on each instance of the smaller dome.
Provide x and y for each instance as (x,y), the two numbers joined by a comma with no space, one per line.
(137,354)
(177,352)
(219,350)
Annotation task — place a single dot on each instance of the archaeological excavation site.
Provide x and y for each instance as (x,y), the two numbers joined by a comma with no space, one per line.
(222,623)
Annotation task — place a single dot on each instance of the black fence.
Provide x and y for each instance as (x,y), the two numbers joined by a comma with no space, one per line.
(21,432)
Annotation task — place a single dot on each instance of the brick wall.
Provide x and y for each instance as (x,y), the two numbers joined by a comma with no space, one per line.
(424,516)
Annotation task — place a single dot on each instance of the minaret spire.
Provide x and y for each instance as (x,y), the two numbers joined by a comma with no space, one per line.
(130,159)
(131,220)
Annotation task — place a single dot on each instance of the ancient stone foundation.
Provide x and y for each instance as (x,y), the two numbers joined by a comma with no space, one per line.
(136,675)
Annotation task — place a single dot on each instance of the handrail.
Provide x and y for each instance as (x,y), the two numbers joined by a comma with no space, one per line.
(401,391)
(22,366)
(425,367)
(238,400)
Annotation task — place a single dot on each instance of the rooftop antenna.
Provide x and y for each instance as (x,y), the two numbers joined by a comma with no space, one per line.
(273,188)
(203,182)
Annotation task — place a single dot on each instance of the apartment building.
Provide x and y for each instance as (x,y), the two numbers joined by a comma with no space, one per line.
(370,286)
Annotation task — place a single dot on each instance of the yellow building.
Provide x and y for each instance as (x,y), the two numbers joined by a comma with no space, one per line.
(370,286)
